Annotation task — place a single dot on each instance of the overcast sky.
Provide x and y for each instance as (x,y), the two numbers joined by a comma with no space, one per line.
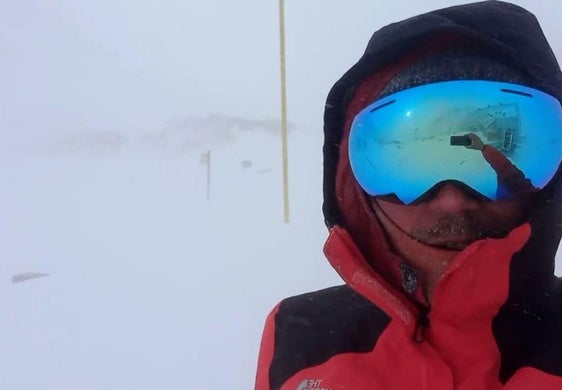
(131,66)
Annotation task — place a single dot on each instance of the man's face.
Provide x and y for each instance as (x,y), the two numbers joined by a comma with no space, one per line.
(452,218)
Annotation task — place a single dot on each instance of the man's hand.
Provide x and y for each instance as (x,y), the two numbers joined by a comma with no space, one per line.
(476,143)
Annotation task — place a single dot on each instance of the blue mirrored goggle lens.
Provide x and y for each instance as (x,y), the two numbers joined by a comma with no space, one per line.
(409,141)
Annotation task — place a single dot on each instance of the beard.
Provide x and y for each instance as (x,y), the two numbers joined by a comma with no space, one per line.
(455,231)
(453,220)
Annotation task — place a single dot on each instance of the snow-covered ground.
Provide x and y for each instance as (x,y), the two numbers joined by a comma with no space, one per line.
(151,285)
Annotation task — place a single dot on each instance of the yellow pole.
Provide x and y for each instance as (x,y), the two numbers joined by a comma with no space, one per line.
(284,111)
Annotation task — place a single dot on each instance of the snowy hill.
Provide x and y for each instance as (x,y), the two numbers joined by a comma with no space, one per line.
(184,135)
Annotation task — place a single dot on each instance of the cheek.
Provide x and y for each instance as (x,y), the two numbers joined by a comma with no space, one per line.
(505,215)
(405,217)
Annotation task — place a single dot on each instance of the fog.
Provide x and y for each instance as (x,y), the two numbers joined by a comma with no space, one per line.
(138,264)
(106,65)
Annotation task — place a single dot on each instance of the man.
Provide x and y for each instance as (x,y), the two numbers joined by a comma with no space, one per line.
(447,252)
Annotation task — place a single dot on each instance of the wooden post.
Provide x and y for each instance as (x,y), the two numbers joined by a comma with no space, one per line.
(284,111)
(208,175)
(205,159)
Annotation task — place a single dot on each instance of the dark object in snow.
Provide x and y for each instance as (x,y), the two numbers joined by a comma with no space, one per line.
(247,164)
(24,277)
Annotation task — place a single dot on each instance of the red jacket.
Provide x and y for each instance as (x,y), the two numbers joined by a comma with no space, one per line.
(495,320)
(511,180)
(367,336)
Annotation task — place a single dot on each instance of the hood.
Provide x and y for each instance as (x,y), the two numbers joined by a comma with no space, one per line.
(509,32)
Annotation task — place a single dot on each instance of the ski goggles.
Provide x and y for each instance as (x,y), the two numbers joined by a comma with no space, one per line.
(408,142)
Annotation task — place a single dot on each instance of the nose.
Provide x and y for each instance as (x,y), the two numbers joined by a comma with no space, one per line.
(452,198)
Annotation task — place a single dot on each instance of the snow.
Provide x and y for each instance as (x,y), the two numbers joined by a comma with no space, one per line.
(150,284)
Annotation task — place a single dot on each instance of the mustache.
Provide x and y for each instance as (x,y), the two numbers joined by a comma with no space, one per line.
(453,224)
(454,231)
(448,224)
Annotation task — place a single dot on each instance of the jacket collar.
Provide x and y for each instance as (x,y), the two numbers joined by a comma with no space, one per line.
(473,287)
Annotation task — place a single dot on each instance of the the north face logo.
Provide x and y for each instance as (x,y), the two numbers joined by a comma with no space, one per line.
(312,384)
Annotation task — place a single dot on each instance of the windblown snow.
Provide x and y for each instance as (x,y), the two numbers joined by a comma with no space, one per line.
(152,285)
